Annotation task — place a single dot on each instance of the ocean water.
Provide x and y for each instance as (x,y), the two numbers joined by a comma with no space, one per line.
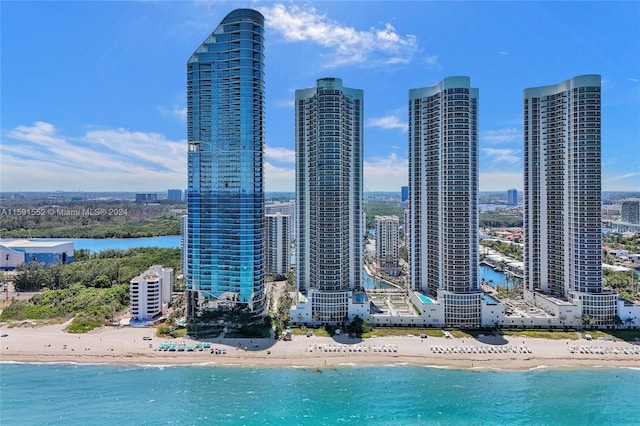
(46,394)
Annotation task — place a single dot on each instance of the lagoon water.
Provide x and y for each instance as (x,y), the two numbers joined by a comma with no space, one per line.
(98,244)
(50,394)
(490,274)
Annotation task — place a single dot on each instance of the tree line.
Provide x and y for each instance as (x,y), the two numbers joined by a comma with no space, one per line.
(511,250)
(93,289)
(42,219)
(496,220)
(103,269)
(625,283)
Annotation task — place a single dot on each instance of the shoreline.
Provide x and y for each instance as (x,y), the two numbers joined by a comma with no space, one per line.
(50,344)
(605,365)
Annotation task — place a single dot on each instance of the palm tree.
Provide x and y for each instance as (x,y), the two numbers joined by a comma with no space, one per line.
(629,322)
(585,320)
(617,321)
(579,321)
(562,320)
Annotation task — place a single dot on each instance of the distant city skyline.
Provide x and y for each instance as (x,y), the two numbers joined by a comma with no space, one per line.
(109,113)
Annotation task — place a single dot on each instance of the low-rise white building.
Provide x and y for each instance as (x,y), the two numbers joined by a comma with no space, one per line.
(302,309)
(629,313)
(150,293)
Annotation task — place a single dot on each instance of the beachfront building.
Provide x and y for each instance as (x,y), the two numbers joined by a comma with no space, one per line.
(277,244)
(184,245)
(512,197)
(629,313)
(443,198)
(225,196)
(150,294)
(16,252)
(388,244)
(562,205)
(328,129)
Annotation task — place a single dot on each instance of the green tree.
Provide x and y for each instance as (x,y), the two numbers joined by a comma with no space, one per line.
(101,281)
(359,326)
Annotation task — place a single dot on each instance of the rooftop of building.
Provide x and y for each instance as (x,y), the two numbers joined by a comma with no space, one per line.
(32,243)
(515,308)
(146,276)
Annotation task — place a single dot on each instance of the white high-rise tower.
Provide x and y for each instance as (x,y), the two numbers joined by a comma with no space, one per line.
(443,197)
(329,197)
(562,184)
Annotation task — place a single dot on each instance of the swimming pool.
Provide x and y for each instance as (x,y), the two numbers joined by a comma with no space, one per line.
(424,299)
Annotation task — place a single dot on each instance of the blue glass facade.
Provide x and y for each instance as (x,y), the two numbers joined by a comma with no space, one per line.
(404,193)
(225,197)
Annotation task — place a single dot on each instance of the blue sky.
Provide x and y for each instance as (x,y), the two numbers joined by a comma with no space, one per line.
(94,93)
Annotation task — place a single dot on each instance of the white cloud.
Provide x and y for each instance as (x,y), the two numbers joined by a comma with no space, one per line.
(432,62)
(388,122)
(280,154)
(509,134)
(502,155)
(385,173)
(624,182)
(376,46)
(635,80)
(99,160)
(286,103)
(279,179)
(141,148)
(180,113)
(504,52)
(624,176)
(500,181)
(40,133)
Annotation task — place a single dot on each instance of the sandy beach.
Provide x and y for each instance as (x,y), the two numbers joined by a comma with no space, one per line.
(127,345)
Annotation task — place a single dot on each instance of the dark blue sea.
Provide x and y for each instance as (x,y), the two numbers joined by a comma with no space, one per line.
(50,394)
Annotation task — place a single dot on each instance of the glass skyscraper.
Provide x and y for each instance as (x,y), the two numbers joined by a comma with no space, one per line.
(225,113)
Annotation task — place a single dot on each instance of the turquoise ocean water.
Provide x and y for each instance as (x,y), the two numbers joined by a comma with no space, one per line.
(56,394)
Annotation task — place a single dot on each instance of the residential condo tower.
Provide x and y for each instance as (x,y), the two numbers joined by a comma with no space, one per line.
(562,205)
(225,199)
(328,126)
(443,197)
